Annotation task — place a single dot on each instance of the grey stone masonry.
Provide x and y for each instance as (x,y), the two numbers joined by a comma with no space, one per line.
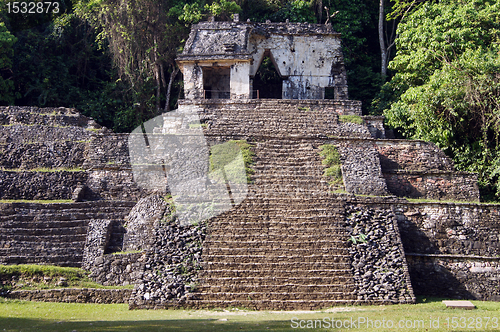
(418,169)
(221,60)
(34,233)
(74,295)
(286,245)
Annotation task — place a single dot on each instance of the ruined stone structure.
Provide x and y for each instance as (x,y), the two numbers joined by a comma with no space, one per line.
(293,242)
(220,60)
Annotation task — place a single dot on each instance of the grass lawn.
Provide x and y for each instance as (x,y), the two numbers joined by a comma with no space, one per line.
(37,316)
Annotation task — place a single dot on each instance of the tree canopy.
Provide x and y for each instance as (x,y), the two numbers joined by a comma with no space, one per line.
(448,83)
(114,60)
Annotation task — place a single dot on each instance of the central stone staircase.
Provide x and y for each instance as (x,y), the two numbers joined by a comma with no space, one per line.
(285,245)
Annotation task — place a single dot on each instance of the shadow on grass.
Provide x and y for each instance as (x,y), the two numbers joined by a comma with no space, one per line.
(430,299)
(189,325)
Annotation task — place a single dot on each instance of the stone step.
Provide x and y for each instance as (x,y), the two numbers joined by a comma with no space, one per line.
(296,273)
(267,231)
(275,280)
(277,258)
(251,264)
(285,239)
(285,210)
(277,244)
(298,218)
(30,223)
(60,238)
(71,260)
(274,304)
(309,223)
(283,296)
(29,247)
(283,288)
(260,178)
(63,216)
(273,251)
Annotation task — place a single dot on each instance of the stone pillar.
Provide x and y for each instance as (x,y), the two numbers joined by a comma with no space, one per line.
(193,80)
(240,80)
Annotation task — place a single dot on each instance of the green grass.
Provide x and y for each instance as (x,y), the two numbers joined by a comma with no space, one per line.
(197,125)
(40,201)
(94,130)
(127,252)
(333,171)
(351,119)
(427,200)
(36,316)
(28,277)
(223,157)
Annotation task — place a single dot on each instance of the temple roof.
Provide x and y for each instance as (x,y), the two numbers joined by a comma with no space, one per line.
(229,40)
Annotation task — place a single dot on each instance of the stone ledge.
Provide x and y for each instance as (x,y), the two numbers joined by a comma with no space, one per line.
(451,256)
(73,295)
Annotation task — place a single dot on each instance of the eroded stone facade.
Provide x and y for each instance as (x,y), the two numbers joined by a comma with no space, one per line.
(221,59)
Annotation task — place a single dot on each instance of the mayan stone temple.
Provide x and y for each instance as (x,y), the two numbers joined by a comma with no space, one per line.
(318,217)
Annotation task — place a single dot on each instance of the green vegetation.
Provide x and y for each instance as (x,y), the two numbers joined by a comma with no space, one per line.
(427,200)
(446,88)
(197,125)
(127,252)
(361,238)
(351,119)
(94,55)
(225,160)
(15,277)
(333,165)
(443,82)
(37,316)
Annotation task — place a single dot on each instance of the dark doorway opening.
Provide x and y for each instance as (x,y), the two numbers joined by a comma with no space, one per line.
(216,82)
(329,93)
(267,80)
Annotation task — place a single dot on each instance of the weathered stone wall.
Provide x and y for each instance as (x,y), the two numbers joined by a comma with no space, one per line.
(107,151)
(460,186)
(378,259)
(375,125)
(36,155)
(34,233)
(112,185)
(170,267)
(50,117)
(119,269)
(452,244)
(73,295)
(418,169)
(473,278)
(412,155)
(47,185)
(141,223)
(98,233)
(361,167)
(48,142)
(450,228)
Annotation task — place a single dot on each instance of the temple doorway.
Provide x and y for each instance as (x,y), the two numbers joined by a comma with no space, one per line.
(267,82)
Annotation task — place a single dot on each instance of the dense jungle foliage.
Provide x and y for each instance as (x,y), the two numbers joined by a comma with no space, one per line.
(431,67)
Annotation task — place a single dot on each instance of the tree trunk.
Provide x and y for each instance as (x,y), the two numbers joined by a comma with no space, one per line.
(383,49)
(169,89)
